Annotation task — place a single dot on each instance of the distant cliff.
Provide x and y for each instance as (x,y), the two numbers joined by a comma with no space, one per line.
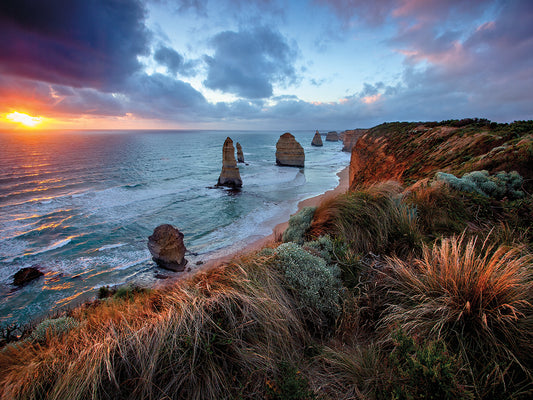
(349,138)
(408,151)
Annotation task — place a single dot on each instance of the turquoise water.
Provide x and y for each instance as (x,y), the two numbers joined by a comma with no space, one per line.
(81,205)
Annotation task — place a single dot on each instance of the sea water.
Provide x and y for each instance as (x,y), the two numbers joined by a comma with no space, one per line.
(81,205)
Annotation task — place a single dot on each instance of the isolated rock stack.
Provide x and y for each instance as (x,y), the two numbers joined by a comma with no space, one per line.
(317,140)
(167,248)
(240,155)
(230,176)
(332,137)
(289,152)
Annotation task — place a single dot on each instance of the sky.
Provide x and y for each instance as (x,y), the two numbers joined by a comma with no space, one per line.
(262,64)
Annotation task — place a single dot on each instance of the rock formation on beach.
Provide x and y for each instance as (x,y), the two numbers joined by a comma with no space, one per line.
(332,137)
(289,152)
(317,140)
(349,138)
(26,275)
(167,248)
(230,175)
(240,155)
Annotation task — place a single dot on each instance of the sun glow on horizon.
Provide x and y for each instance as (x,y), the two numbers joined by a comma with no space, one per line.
(24,119)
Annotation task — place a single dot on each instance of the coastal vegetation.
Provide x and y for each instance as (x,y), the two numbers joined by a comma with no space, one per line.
(421,288)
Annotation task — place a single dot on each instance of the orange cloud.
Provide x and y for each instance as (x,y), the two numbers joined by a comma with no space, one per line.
(371,99)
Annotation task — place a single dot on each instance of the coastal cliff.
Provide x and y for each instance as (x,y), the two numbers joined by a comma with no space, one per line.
(407,152)
(350,137)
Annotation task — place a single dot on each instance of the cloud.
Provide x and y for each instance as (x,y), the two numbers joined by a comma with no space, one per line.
(174,61)
(163,97)
(248,63)
(78,43)
(170,58)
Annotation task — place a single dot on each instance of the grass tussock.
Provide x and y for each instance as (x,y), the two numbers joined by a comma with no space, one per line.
(373,219)
(476,297)
(216,337)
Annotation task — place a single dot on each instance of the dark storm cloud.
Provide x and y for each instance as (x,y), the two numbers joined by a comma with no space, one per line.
(249,62)
(79,43)
(164,97)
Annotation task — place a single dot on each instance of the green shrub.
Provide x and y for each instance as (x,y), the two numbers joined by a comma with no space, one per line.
(53,327)
(289,384)
(316,284)
(128,292)
(500,185)
(324,247)
(423,371)
(298,225)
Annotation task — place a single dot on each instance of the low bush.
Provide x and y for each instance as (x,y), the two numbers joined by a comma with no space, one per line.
(423,371)
(298,225)
(289,384)
(52,327)
(500,185)
(314,282)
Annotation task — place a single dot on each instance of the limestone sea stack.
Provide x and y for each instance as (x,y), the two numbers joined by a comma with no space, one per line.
(332,137)
(317,140)
(230,176)
(167,248)
(240,155)
(289,152)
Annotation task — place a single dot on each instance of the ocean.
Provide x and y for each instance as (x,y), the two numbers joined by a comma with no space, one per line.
(80,205)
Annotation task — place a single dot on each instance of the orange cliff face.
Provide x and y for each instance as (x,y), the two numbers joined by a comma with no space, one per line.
(373,161)
(406,152)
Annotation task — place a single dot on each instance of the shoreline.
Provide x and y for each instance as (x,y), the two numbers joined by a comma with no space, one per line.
(277,231)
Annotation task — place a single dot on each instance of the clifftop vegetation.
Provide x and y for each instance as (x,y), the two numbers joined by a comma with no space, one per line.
(420,288)
(409,151)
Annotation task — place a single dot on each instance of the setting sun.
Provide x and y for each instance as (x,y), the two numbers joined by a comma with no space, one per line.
(24,119)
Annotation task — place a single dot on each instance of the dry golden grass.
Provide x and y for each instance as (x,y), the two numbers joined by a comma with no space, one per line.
(373,219)
(216,336)
(477,297)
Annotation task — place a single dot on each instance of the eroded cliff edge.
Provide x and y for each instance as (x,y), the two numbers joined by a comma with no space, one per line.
(409,151)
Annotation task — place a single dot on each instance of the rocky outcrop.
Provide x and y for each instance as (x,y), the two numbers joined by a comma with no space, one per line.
(289,152)
(167,248)
(317,140)
(230,176)
(349,138)
(26,275)
(332,137)
(240,155)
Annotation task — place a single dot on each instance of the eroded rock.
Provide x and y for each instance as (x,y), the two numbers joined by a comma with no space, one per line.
(167,248)
(317,140)
(230,176)
(240,155)
(26,275)
(350,138)
(289,152)
(332,137)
